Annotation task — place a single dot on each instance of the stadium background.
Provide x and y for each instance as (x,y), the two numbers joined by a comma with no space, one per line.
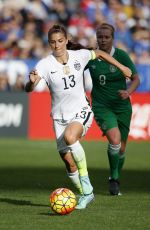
(23,41)
(31,169)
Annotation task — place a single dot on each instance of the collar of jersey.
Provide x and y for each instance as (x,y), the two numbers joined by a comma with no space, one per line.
(112,51)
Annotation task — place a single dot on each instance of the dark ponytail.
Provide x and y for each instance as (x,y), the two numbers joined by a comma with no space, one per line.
(75,46)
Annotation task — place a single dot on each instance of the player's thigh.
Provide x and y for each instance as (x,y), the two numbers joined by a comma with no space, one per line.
(73,132)
(85,118)
(114,136)
(59,128)
(105,119)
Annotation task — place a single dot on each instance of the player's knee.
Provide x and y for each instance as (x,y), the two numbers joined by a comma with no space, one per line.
(114,149)
(114,136)
(69,139)
(115,141)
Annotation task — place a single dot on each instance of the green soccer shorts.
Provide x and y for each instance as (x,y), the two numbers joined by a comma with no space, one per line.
(108,119)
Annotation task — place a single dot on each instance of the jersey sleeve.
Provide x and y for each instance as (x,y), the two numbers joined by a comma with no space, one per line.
(87,55)
(93,55)
(41,68)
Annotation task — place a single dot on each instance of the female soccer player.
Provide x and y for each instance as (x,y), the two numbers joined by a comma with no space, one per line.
(72,116)
(111,101)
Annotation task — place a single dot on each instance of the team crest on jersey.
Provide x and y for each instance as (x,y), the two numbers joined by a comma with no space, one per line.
(104,126)
(112,68)
(77,65)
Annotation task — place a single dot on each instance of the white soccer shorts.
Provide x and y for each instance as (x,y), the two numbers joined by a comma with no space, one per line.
(84,116)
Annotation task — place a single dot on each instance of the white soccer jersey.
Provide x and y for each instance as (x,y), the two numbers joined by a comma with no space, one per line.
(65,82)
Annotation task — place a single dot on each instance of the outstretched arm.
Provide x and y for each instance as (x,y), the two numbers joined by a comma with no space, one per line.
(34,79)
(105,56)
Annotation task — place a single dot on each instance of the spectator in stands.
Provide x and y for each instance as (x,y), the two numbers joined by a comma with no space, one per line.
(4,85)
(122,32)
(81,28)
(24,25)
(94,8)
(60,12)
(19,84)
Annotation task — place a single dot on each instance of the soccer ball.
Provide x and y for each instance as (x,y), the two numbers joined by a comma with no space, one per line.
(62,201)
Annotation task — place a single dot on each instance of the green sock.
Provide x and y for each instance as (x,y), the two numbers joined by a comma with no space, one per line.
(121,163)
(113,156)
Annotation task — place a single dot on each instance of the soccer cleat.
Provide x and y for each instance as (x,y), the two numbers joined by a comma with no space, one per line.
(84,201)
(114,187)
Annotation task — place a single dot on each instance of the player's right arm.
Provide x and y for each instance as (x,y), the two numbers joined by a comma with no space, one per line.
(34,79)
(106,57)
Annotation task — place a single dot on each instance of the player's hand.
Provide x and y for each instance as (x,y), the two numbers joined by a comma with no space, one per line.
(124,94)
(127,72)
(33,76)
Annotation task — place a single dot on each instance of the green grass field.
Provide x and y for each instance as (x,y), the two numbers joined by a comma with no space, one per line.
(31,170)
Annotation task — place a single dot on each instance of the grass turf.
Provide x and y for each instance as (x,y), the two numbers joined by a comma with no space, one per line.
(31,170)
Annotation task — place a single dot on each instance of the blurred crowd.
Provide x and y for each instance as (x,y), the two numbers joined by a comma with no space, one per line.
(24,25)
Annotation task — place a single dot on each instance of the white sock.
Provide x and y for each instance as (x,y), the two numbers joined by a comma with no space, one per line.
(74,177)
(79,158)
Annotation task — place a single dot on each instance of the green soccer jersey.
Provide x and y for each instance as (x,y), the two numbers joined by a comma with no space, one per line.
(108,79)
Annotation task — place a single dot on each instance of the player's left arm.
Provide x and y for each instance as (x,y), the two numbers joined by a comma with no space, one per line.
(124,94)
(106,57)
(135,80)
